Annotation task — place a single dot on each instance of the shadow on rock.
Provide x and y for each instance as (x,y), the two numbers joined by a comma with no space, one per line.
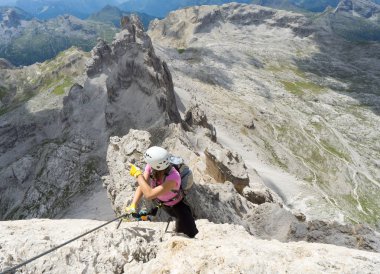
(345,66)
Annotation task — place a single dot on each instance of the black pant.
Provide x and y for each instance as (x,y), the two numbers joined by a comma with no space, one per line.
(185,222)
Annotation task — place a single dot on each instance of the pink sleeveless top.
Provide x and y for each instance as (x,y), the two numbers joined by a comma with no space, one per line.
(173,176)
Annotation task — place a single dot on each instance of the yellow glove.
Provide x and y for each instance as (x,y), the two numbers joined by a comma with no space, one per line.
(134,171)
(130,209)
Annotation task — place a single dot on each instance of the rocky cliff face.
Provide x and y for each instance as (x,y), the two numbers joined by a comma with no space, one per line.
(52,154)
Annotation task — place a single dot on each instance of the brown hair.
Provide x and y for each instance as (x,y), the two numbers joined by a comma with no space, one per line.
(160,174)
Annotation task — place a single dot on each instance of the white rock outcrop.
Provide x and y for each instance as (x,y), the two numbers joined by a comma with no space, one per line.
(144,248)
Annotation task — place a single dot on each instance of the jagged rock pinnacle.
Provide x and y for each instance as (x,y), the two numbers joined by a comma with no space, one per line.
(127,86)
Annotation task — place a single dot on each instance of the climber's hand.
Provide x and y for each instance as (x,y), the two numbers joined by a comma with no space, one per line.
(130,209)
(134,170)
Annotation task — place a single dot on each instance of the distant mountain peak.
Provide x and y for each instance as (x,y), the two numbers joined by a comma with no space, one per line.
(112,14)
(11,17)
(361,8)
(109,7)
(46,9)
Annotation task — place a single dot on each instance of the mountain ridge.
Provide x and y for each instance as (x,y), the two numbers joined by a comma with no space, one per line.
(113,15)
(46,9)
(26,40)
(363,8)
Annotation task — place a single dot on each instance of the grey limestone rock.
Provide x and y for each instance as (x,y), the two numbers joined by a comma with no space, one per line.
(118,183)
(101,55)
(127,86)
(271,221)
(144,248)
(258,196)
(353,236)
(224,165)
(195,116)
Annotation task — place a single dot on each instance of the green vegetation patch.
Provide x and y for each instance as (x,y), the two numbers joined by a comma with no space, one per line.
(48,82)
(369,206)
(244,131)
(292,88)
(282,129)
(335,151)
(299,87)
(284,68)
(181,50)
(60,89)
(275,69)
(295,87)
(57,63)
(368,198)
(318,126)
(316,158)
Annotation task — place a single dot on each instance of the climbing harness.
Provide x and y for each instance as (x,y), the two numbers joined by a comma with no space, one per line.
(143,215)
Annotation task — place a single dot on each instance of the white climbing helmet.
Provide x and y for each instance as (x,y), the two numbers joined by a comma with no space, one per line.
(157,158)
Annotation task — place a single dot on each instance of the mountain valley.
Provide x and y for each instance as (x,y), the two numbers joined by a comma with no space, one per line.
(306,90)
(276,112)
